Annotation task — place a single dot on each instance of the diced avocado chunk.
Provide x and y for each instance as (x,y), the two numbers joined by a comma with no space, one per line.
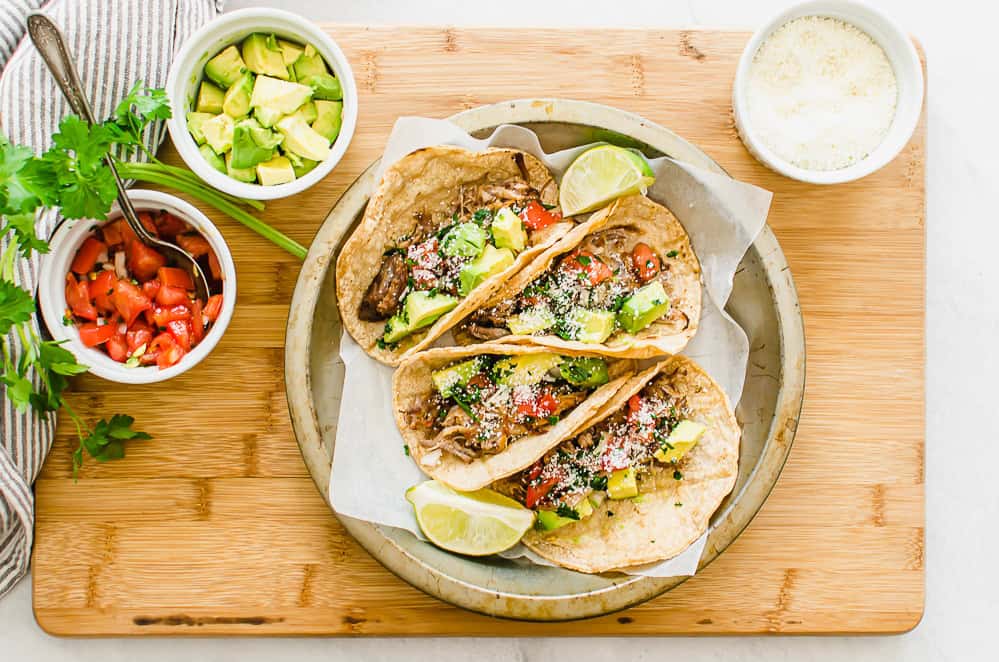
(622,484)
(309,63)
(300,165)
(525,369)
(264,138)
(307,111)
(419,310)
(289,51)
(591,326)
(248,175)
(491,262)
(301,139)
(508,230)
(423,308)
(236,103)
(549,520)
(226,67)
(464,240)
(262,55)
(396,329)
(323,86)
(647,304)
(276,171)
(210,99)
(329,117)
(279,95)
(194,122)
(218,132)
(266,116)
(589,372)
(531,321)
(458,374)
(214,160)
(683,437)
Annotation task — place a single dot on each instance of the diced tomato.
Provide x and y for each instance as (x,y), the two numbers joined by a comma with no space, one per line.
(174,277)
(138,334)
(213,308)
(146,218)
(194,244)
(541,405)
(166,350)
(117,347)
(536,217)
(169,226)
(101,289)
(93,334)
(129,300)
(78,298)
(535,469)
(150,288)
(584,261)
(197,323)
(86,256)
(143,261)
(164,315)
(171,296)
(181,331)
(646,262)
(111,232)
(536,493)
(214,266)
(615,457)
(634,406)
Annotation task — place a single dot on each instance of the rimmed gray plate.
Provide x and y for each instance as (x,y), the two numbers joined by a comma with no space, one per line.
(763,301)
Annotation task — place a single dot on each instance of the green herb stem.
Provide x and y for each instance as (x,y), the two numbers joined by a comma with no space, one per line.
(143,172)
(186,174)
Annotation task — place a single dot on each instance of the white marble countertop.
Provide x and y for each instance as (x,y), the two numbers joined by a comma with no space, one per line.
(962,600)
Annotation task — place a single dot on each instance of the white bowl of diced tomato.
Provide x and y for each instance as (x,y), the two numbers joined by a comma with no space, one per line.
(120,308)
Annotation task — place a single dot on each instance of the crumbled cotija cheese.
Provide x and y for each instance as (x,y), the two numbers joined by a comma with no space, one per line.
(821,93)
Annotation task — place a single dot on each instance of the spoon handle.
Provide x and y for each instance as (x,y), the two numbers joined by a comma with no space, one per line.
(52,47)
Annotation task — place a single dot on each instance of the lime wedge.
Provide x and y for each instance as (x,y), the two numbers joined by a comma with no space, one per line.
(600,175)
(474,523)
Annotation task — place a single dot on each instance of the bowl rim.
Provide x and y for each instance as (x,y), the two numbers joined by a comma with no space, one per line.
(65,240)
(907,67)
(199,44)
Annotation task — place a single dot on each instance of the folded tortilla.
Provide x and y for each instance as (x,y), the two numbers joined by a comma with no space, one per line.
(412,385)
(636,219)
(428,183)
(669,514)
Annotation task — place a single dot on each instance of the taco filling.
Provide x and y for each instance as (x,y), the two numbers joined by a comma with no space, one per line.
(610,283)
(480,405)
(653,431)
(427,271)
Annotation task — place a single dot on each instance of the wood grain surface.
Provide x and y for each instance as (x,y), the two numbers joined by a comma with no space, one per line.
(215,527)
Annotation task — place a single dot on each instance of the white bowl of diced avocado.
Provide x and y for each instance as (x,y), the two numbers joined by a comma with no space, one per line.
(264,103)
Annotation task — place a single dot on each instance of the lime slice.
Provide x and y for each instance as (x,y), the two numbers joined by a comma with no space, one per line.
(600,175)
(473,523)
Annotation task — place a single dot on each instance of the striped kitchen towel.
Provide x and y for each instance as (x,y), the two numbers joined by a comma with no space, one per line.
(115,42)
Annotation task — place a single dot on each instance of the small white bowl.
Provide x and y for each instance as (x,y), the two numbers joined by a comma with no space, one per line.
(52,289)
(908,75)
(187,71)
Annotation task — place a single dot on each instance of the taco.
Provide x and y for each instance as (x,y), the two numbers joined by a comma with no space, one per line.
(625,284)
(443,230)
(472,415)
(640,481)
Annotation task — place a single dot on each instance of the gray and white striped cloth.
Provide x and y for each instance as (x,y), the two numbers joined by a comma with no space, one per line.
(115,42)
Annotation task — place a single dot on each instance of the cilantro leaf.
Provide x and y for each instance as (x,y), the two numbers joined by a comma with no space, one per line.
(149,104)
(23,227)
(106,441)
(52,356)
(85,185)
(19,388)
(16,306)
(16,195)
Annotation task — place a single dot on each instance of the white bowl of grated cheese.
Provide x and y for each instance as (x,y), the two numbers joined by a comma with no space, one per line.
(828,92)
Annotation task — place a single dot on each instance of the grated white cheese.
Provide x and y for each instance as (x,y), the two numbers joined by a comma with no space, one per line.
(821,93)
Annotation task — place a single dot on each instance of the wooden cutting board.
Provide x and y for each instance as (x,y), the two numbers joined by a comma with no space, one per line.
(215,527)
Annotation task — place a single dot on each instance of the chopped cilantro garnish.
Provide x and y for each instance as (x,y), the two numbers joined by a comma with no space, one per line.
(678,504)
(553,419)
(566,512)
(677,475)
(405,449)
(393,251)
(673,253)
(583,260)
(598,483)
(481,216)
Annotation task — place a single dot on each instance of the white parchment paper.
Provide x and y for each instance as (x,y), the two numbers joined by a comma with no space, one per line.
(371,472)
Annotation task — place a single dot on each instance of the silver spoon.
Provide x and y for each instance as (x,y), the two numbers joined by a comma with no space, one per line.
(52,47)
